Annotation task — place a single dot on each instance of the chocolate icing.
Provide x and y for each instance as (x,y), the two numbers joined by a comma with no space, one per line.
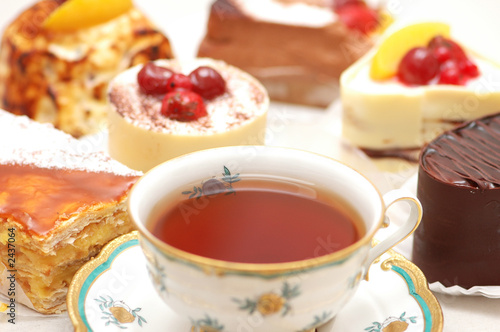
(469,156)
(458,240)
(410,154)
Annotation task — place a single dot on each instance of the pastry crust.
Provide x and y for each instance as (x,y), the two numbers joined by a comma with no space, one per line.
(58,208)
(61,77)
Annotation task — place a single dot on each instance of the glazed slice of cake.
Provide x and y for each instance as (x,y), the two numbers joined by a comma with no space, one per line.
(457,242)
(60,76)
(297,49)
(388,117)
(142,136)
(58,207)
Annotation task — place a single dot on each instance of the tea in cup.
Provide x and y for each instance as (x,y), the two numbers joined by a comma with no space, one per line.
(257,238)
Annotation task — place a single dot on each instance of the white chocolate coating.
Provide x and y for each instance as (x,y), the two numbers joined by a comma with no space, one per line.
(390,115)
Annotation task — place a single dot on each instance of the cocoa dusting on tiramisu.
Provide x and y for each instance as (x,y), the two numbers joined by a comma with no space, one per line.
(168,108)
(241,102)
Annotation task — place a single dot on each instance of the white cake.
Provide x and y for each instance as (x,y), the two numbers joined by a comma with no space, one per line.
(387,118)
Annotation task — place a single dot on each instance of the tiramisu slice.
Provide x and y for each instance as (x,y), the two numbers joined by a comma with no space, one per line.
(58,207)
(202,104)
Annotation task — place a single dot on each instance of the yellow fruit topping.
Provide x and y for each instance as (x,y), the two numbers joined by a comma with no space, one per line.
(79,14)
(395,46)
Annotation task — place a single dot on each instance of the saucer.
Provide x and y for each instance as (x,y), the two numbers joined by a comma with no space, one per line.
(113,292)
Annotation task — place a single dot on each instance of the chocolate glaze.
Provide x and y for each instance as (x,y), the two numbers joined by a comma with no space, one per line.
(458,240)
(469,156)
(410,154)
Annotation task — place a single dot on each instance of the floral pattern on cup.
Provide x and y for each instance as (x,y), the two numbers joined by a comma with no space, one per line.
(215,186)
(270,303)
(318,321)
(206,324)
(392,324)
(118,313)
(157,274)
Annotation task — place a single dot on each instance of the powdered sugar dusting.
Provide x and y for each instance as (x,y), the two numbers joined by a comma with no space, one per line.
(26,142)
(244,100)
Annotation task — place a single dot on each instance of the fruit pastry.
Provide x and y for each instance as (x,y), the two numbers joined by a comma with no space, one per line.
(417,83)
(58,208)
(457,242)
(167,108)
(57,57)
(296,48)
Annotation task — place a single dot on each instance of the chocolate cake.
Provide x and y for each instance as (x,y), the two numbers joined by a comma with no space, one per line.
(297,49)
(458,242)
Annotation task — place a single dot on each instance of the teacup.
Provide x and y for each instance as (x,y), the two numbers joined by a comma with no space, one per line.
(229,295)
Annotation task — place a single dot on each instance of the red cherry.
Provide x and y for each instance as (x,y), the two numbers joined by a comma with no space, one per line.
(153,79)
(455,51)
(337,4)
(183,105)
(436,41)
(455,66)
(450,73)
(442,53)
(207,82)
(179,82)
(418,67)
(358,17)
(469,68)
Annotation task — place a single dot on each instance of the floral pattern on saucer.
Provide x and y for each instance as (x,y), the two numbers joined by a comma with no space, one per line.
(393,324)
(118,313)
(113,292)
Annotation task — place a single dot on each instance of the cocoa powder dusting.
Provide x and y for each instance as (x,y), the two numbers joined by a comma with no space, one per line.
(243,101)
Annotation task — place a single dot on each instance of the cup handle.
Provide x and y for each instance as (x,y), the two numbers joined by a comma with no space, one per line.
(407,228)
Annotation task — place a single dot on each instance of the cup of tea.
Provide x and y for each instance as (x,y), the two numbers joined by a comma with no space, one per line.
(258,238)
